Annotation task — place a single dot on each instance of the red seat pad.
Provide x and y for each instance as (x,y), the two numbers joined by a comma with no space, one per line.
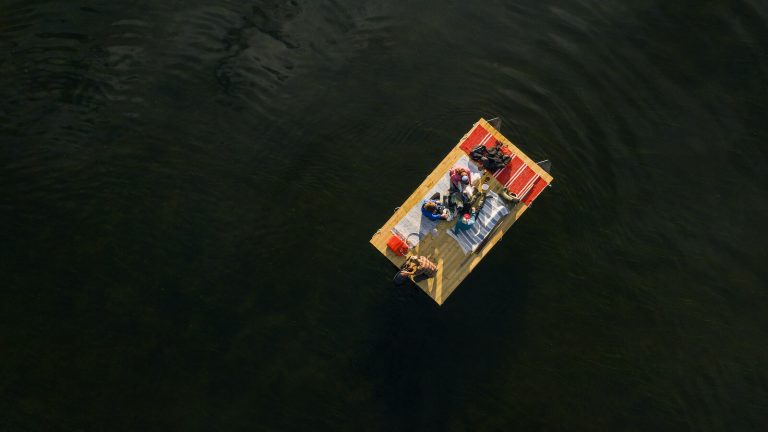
(505,174)
(479,134)
(521,181)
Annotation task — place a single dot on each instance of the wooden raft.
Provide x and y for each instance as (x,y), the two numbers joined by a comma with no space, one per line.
(453,265)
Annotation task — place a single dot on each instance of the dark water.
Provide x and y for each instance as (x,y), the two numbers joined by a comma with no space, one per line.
(188,189)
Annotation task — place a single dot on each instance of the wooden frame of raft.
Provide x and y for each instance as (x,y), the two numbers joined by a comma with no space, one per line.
(452,264)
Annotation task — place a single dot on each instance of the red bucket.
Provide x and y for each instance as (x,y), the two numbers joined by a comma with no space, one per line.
(397,245)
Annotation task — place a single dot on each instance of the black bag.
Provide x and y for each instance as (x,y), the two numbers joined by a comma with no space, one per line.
(492,158)
(478,152)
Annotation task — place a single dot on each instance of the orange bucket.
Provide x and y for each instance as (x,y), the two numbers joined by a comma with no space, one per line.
(397,245)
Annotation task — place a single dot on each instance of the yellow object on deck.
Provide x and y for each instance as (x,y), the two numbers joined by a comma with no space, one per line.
(521,175)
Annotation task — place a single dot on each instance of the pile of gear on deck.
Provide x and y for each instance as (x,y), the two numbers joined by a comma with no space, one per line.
(492,159)
(462,202)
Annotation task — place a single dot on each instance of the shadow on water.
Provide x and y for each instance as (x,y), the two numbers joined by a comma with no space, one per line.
(427,361)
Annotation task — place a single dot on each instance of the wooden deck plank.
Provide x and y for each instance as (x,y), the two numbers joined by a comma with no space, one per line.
(453,265)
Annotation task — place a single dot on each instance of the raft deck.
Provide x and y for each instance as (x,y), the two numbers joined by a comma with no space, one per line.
(453,265)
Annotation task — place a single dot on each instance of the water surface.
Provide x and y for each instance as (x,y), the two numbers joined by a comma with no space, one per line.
(188,189)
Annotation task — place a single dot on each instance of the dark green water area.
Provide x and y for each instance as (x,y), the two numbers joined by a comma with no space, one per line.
(188,187)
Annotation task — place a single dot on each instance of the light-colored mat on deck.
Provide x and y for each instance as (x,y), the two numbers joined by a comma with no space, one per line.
(490,215)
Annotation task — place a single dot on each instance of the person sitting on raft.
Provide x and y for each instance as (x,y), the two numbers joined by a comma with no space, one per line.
(419,267)
(461,190)
(466,221)
(458,180)
(433,209)
(469,219)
